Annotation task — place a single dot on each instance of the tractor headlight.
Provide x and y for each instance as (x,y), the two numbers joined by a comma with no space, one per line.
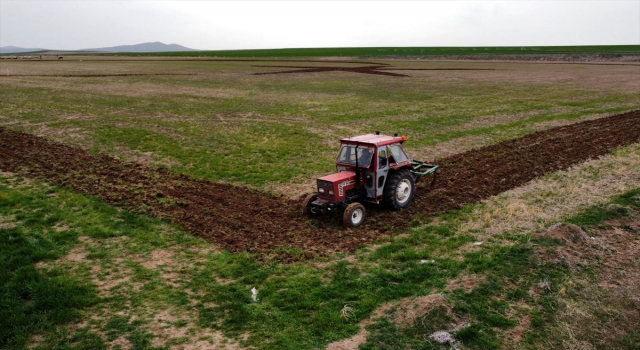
(321,190)
(331,192)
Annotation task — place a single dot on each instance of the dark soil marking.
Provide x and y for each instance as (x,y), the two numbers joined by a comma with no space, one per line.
(92,75)
(317,69)
(379,70)
(195,59)
(396,68)
(240,219)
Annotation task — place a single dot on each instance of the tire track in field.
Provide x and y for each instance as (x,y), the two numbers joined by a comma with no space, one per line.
(240,219)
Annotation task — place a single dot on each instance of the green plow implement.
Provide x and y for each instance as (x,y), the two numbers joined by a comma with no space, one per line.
(420,169)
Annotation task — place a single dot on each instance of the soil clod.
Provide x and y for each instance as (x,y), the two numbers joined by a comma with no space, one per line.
(569,233)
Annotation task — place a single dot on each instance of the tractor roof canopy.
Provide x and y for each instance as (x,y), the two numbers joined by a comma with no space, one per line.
(373,139)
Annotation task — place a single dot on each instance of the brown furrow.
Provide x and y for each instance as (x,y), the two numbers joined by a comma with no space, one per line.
(241,219)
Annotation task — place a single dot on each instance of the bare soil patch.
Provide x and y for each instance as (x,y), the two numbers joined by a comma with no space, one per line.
(378,69)
(569,233)
(410,310)
(466,282)
(355,341)
(90,75)
(158,257)
(7,225)
(241,219)
(405,313)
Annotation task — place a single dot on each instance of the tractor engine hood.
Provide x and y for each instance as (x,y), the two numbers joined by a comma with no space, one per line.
(334,187)
(339,177)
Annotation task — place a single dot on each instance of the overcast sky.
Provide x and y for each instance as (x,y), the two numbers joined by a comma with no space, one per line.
(221,25)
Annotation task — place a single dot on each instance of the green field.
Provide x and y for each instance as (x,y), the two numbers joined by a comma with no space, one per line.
(383,51)
(79,274)
(272,131)
(405,51)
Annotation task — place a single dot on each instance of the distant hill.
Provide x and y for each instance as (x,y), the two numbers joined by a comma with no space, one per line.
(144,47)
(16,49)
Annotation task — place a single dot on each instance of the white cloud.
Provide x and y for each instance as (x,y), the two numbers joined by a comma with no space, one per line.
(276,24)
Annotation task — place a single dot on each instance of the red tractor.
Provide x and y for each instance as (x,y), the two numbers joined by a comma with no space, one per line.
(370,168)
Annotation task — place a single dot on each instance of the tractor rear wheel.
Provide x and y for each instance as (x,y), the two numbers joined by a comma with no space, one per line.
(399,190)
(307,208)
(354,215)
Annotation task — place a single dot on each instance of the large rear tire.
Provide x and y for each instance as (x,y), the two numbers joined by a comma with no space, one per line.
(354,215)
(307,208)
(399,190)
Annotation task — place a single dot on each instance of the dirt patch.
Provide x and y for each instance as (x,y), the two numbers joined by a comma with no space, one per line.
(316,69)
(7,225)
(158,257)
(354,342)
(409,310)
(514,335)
(176,330)
(76,255)
(92,75)
(569,233)
(406,313)
(61,228)
(120,343)
(377,69)
(466,282)
(241,219)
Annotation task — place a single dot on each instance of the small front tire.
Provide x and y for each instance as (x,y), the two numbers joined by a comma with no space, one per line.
(354,215)
(307,208)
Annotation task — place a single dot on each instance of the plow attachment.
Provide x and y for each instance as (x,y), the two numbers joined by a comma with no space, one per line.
(421,169)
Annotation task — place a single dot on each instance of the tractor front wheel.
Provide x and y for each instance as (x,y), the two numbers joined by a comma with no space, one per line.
(307,208)
(399,190)
(354,215)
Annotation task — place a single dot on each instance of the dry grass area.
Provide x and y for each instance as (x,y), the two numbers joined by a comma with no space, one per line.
(354,342)
(403,313)
(600,304)
(532,208)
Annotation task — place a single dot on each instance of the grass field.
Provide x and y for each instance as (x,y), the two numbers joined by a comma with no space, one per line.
(404,51)
(80,274)
(225,124)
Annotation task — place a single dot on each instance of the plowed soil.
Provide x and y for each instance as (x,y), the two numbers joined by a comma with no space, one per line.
(378,69)
(239,219)
(91,75)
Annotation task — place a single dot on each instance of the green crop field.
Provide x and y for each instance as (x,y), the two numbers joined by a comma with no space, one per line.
(379,51)
(80,274)
(404,51)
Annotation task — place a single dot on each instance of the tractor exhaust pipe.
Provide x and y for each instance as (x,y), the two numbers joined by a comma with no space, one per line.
(357,170)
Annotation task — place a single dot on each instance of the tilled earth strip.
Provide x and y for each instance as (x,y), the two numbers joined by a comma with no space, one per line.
(240,219)
(93,75)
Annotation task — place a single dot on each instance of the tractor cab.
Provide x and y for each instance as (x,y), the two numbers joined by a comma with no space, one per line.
(370,168)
